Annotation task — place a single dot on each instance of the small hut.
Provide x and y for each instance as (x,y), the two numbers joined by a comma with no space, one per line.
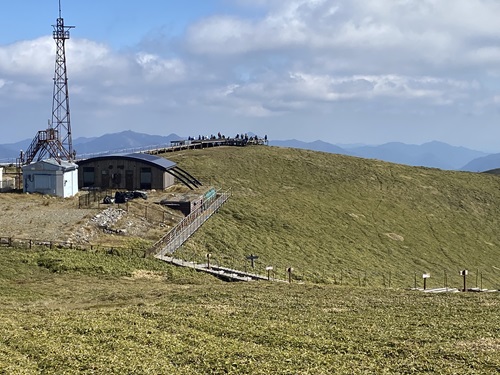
(51,177)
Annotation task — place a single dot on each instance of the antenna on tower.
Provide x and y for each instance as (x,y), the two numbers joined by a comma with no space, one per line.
(60,103)
(56,140)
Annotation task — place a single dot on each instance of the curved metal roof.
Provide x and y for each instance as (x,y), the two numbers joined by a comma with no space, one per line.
(156,161)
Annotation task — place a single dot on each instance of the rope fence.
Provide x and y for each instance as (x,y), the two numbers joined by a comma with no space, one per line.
(447,279)
(153,213)
(35,244)
(476,279)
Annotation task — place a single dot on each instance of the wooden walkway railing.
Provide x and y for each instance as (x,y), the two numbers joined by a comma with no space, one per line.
(190,224)
(224,273)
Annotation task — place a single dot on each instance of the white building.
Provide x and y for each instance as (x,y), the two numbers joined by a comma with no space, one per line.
(51,178)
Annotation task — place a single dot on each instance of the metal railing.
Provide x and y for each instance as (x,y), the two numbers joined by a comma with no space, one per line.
(190,224)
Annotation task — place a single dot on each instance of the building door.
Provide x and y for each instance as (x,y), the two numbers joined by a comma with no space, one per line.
(105,180)
(129,180)
(88,176)
(146,178)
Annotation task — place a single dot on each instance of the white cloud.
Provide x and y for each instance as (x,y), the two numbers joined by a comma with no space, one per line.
(157,69)
(32,58)
(289,59)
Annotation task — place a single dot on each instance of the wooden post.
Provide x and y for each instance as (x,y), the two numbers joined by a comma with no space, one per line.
(289,270)
(252,259)
(269,269)
(464,274)
(425,276)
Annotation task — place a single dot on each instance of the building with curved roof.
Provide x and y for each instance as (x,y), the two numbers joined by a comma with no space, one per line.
(135,171)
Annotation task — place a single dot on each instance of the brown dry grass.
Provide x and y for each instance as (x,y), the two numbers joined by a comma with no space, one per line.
(46,218)
(34,216)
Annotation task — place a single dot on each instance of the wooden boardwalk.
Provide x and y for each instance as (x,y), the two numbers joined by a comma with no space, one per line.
(175,238)
(190,224)
(453,290)
(181,145)
(206,143)
(227,274)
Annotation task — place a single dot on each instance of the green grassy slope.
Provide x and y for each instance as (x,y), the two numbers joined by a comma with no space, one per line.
(71,312)
(75,312)
(336,218)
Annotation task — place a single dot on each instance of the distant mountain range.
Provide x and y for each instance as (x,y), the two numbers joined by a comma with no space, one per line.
(126,141)
(432,154)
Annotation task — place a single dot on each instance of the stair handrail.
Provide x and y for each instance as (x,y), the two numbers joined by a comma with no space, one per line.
(185,226)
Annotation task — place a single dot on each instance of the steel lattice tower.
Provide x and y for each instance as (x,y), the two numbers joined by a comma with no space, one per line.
(60,104)
(56,141)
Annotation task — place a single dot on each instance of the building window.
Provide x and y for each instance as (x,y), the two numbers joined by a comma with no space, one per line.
(88,176)
(146,178)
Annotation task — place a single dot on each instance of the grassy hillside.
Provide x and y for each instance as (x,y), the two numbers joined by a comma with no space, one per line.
(71,312)
(341,219)
(335,219)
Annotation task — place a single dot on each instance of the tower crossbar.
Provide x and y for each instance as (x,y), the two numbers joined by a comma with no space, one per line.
(55,142)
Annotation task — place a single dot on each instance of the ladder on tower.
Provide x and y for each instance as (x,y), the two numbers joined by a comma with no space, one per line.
(46,141)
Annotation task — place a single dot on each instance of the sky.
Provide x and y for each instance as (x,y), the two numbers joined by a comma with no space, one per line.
(342,71)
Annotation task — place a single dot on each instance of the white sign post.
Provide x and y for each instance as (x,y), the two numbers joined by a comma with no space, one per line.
(425,276)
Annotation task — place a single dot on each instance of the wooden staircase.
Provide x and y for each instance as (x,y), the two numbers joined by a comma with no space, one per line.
(190,224)
(168,244)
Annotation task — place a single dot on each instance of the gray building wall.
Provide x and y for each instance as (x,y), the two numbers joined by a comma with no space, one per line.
(123,174)
(48,177)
